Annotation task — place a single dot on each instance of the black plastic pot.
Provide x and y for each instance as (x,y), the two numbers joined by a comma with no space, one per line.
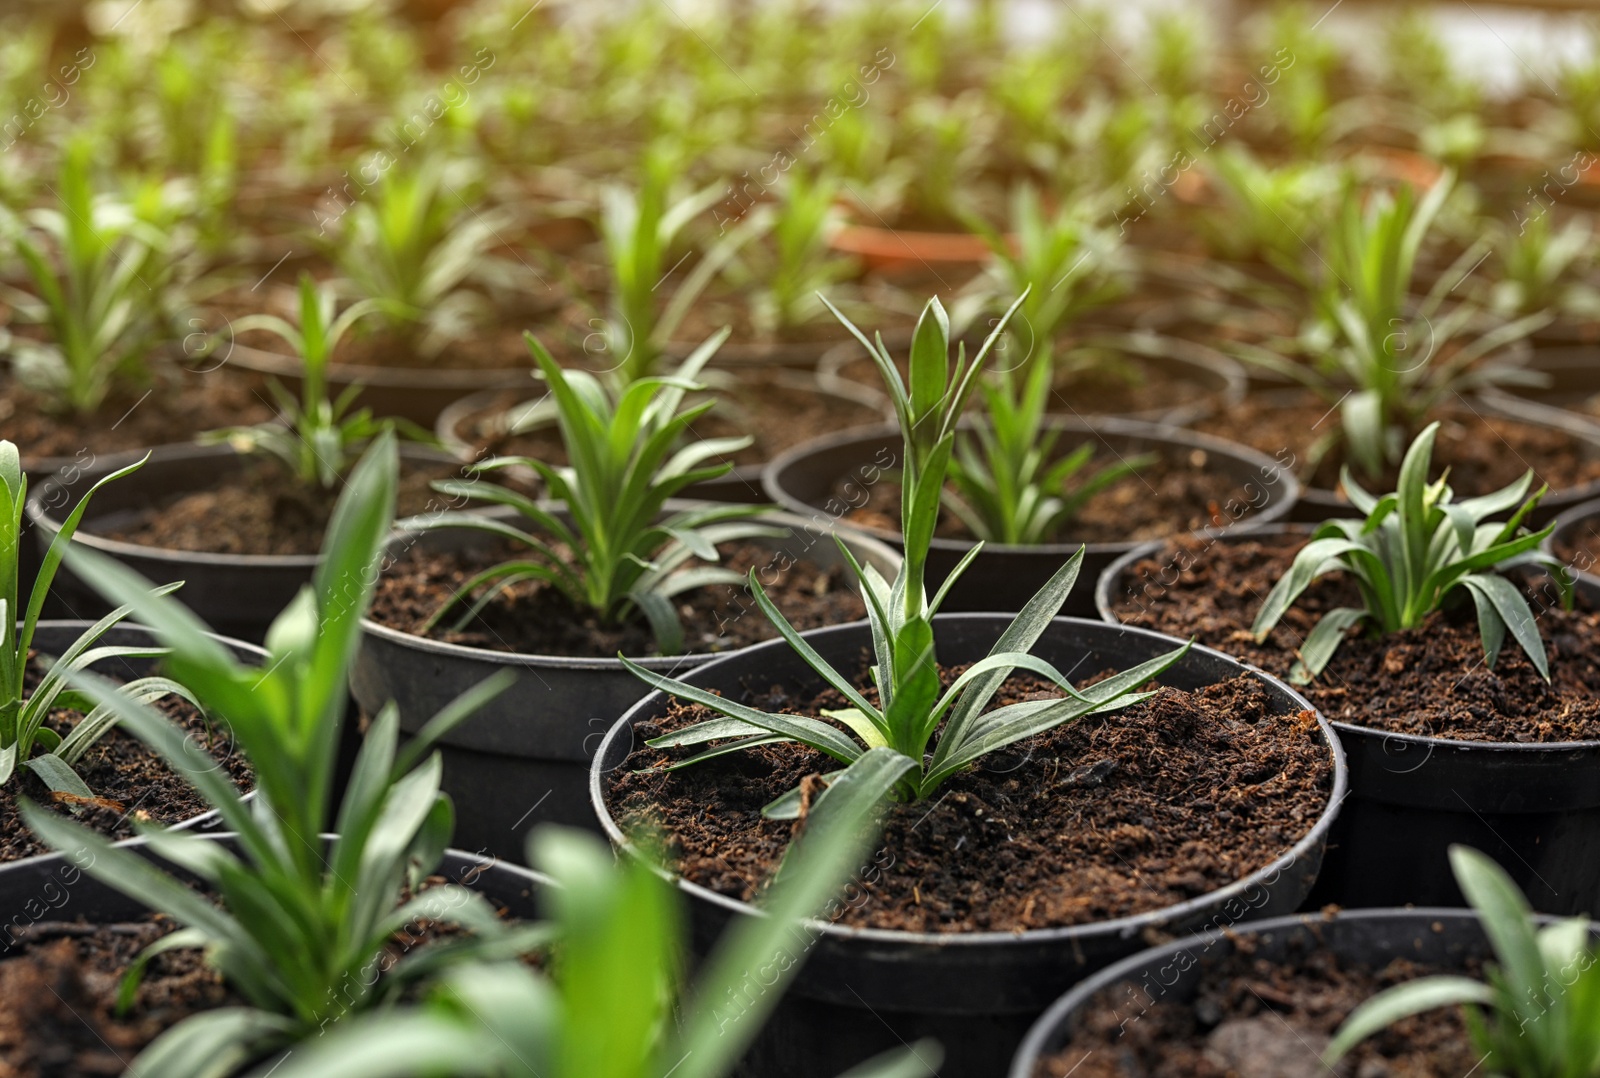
(829,477)
(1219,382)
(236,594)
(54,637)
(864,991)
(1534,808)
(1172,973)
(741,485)
(523,759)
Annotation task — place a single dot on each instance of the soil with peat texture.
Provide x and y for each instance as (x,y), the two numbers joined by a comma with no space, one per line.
(1431,680)
(533,618)
(1483,452)
(173,408)
(1108,817)
(1254,1018)
(60,983)
(130,783)
(1176,493)
(259,509)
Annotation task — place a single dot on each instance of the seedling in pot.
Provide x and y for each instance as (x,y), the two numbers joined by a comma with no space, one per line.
(1006,483)
(297,927)
(93,267)
(414,246)
(787,262)
(25,742)
(1545,268)
(605,1006)
(1413,551)
(317,438)
(1537,1012)
(1274,214)
(623,554)
(640,228)
(1382,358)
(894,749)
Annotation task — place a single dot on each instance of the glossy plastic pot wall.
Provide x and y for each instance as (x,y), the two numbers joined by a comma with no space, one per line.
(829,478)
(864,991)
(524,758)
(1534,808)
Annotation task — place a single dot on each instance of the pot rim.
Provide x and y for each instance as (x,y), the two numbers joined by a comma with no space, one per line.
(41,518)
(1033,1045)
(1275,510)
(1118,926)
(1104,597)
(663,663)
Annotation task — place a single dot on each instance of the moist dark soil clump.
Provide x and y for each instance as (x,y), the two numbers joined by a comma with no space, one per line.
(260,509)
(535,619)
(60,1017)
(1108,817)
(1254,1018)
(1483,452)
(130,783)
(1174,494)
(1431,680)
(176,407)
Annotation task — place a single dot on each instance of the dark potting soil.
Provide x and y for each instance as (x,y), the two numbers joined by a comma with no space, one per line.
(535,619)
(752,404)
(60,1018)
(60,986)
(174,409)
(1176,493)
(130,783)
(260,509)
(1483,452)
(1254,1018)
(1431,680)
(1108,817)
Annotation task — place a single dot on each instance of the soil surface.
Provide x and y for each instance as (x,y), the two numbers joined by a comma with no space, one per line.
(1483,452)
(176,408)
(60,1017)
(753,403)
(1431,680)
(60,987)
(259,509)
(535,619)
(1253,1018)
(130,783)
(1173,494)
(1111,816)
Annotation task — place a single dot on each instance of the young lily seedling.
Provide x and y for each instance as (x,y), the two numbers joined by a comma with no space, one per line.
(895,747)
(1410,553)
(628,456)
